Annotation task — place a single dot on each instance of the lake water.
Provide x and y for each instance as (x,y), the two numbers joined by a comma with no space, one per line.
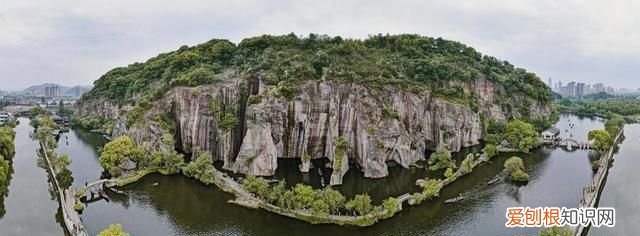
(619,192)
(30,209)
(181,206)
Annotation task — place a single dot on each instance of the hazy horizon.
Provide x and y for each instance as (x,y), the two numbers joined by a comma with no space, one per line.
(74,43)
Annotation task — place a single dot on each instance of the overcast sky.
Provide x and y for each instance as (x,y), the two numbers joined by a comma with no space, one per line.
(73,42)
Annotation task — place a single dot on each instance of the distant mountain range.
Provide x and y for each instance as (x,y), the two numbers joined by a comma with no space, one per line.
(66,91)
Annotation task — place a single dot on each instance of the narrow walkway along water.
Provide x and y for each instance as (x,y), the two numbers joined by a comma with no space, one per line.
(30,208)
(619,191)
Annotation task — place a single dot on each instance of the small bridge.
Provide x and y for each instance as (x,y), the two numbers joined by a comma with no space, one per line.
(96,187)
(571,143)
(403,198)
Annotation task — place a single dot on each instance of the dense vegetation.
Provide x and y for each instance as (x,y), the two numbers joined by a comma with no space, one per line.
(7,150)
(519,134)
(408,61)
(441,159)
(119,151)
(96,124)
(319,202)
(602,140)
(556,231)
(201,169)
(59,163)
(113,230)
(514,167)
(604,105)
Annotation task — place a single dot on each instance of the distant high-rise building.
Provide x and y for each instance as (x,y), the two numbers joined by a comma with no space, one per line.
(610,90)
(580,90)
(598,88)
(550,83)
(78,91)
(571,89)
(588,90)
(52,91)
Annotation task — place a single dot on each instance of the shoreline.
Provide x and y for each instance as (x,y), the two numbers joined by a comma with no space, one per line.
(246,199)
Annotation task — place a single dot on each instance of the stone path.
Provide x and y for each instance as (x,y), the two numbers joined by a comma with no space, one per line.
(67,200)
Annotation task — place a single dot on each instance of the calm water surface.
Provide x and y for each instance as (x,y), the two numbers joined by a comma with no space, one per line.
(30,210)
(618,192)
(181,206)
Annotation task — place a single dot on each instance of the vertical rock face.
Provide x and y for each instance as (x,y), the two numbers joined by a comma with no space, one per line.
(98,107)
(379,125)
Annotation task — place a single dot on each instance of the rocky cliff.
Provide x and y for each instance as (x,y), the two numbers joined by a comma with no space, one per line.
(379,125)
(359,103)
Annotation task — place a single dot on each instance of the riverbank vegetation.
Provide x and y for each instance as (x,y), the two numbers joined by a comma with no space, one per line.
(7,150)
(201,169)
(94,124)
(113,230)
(556,231)
(601,139)
(441,159)
(515,135)
(431,187)
(318,202)
(59,163)
(514,167)
(121,157)
(603,105)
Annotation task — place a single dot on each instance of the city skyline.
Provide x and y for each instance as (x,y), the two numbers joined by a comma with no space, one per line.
(70,42)
(580,89)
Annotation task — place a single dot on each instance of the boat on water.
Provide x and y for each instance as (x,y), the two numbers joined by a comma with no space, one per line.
(493,181)
(454,200)
(115,190)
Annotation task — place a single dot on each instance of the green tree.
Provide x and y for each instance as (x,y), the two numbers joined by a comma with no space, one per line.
(319,207)
(228,122)
(303,196)
(277,193)
(332,198)
(118,151)
(7,147)
(288,200)
(391,206)
(201,169)
(441,159)
(361,204)
(514,166)
(37,111)
(556,231)
(467,164)
(257,185)
(522,135)
(601,139)
(448,173)
(490,151)
(113,230)
(614,125)
(431,189)
(5,171)
(65,178)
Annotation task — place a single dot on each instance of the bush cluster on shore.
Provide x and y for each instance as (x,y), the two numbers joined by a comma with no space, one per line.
(514,166)
(319,202)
